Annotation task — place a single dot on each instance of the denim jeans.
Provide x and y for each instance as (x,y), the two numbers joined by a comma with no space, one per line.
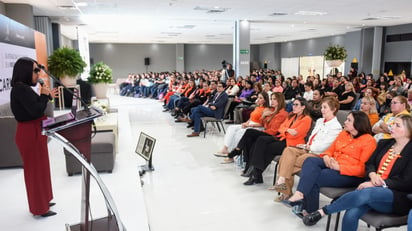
(315,174)
(410,220)
(200,111)
(359,202)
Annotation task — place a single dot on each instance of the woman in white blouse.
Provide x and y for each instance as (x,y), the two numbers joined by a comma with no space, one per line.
(322,136)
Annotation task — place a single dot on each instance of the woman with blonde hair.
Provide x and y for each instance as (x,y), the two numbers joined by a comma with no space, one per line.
(387,185)
(368,105)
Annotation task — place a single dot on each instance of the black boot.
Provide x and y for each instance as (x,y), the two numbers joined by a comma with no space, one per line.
(255,177)
(248,172)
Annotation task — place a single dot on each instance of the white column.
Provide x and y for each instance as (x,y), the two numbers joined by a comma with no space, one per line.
(241,47)
(377,51)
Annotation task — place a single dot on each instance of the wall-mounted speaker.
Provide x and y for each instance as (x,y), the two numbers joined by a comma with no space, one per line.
(147,61)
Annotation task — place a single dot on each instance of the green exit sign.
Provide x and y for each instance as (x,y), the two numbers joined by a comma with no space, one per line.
(244,51)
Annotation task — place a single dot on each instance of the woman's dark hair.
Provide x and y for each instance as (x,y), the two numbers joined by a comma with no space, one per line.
(265,98)
(23,72)
(321,92)
(361,123)
(384,84)
(250,83)
(309,84)
(303,102)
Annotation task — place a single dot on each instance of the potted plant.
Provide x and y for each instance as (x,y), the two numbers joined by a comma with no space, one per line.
(334,55)
(66,64)
(100,76)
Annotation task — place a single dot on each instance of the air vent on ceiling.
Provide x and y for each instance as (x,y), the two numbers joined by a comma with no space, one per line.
(371,19)
(186,27)
(214,11)
(278,14)
(381,18)
(310,13)
(211,10)
(67,7)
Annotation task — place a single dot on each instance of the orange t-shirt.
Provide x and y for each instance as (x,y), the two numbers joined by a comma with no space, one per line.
(256,115)
(373,118)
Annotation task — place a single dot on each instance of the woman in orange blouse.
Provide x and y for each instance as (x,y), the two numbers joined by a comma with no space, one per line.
(235,132)
(368,105)
(271,121)
(291,132)
(387,186)
(341,165)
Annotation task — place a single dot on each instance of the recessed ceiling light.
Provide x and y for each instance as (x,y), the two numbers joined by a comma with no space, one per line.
(310,13)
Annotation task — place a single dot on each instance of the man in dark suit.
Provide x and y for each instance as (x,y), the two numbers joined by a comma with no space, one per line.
(215,108)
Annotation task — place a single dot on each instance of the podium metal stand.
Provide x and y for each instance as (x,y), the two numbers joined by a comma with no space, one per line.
(75,136)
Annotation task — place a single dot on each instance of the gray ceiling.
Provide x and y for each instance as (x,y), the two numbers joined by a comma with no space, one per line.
(211,22)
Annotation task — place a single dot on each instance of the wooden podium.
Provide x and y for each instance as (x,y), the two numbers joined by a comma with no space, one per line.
(75,136)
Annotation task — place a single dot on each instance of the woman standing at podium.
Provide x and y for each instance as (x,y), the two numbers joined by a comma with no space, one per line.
(28,108)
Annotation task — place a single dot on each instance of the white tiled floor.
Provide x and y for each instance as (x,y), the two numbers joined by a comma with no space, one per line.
(188,191)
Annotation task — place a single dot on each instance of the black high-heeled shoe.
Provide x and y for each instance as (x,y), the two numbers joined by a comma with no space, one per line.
(48,214)
(235,152)
(312,218)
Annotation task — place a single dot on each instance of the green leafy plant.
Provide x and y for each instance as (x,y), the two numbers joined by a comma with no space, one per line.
(335,52)
(66,62)
(100,73)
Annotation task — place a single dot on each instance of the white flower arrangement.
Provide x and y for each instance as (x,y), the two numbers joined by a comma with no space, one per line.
(104,106)
(100,73)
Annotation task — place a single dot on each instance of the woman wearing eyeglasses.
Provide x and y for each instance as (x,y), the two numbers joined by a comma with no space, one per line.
(290,133)
(399,105)
(389,172)
(341,165)
(28,108)
(323,134)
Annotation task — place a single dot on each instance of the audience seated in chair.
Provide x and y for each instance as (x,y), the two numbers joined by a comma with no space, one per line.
(399,105)
(341,165)
(235,132)
(368,106)
(197,98)
(390,178)
(291,132)
(271,122)
(215,108)
(324,133)
(245,94)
